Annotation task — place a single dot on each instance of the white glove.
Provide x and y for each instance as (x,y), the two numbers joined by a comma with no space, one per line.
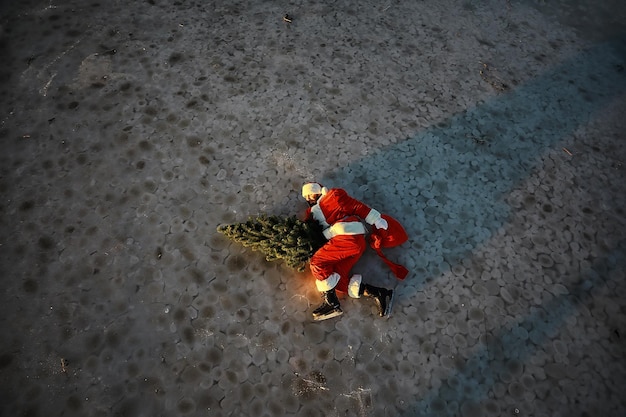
(381,224)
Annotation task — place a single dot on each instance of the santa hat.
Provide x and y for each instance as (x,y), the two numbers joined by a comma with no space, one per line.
(395,235)
(313,188)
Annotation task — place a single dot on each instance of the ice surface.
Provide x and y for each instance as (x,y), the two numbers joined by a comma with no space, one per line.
(493,132)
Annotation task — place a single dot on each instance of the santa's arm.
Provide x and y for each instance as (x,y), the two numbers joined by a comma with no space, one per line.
(354,206)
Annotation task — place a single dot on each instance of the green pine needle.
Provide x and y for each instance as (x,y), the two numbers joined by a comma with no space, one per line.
(279,238)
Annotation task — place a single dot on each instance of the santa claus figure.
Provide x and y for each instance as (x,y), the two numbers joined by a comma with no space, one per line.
(341,218)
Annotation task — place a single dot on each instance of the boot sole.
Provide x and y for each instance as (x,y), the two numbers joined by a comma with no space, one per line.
(389,305)
(328,316)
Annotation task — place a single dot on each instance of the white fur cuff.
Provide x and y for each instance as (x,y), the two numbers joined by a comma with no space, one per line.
(372,216)
(354,286)
(328,283)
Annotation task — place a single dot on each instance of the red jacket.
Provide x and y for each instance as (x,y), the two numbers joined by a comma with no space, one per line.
(336,206)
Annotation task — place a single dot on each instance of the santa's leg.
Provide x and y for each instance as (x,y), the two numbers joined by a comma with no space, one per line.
(382,296)
(329,308)
(330,266)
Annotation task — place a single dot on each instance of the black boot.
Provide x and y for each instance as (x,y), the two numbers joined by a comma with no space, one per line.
(382,296)
(330,307)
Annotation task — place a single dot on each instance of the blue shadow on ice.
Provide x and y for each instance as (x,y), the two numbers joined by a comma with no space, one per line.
(505,351)
(452,191)
(447,184)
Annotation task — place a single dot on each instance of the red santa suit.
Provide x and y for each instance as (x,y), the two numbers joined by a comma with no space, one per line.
(340,215)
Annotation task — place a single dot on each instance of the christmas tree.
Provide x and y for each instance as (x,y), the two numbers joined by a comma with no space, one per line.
(279,238)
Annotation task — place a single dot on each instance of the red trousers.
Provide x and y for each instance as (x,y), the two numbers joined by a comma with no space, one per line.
(338,255)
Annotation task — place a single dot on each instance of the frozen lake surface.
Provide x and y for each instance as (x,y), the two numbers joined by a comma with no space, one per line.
(493,130)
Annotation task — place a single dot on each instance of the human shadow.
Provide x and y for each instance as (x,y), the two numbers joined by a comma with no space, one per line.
(500,358)
(447,183)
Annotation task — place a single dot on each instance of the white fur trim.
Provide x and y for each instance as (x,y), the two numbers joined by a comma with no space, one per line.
(316,212)
(344,228)
(328,283)
(354,286)
(372,217)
